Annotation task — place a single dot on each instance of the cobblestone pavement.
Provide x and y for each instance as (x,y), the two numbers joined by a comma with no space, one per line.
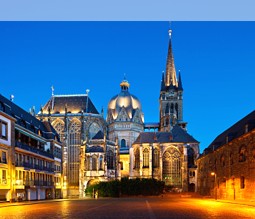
(129,208)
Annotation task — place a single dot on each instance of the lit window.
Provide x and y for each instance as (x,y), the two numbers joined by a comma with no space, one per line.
(156,158)
(146,158)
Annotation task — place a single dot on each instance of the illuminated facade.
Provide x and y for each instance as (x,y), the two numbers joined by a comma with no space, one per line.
(99,161)
(168,154)
(125,121)
(226,169)
(30,168)
(76,120)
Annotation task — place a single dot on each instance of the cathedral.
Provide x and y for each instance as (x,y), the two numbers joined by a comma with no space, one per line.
(97,149)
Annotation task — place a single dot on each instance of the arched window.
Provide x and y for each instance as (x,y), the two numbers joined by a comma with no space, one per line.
(101,162)
(145,158)
(172,167)
(60,128)
(94,162)
(123,143)
(156,158)
(242,153)
(137,159)
(110,160)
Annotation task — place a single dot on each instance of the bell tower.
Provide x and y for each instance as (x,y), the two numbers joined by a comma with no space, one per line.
(171,95)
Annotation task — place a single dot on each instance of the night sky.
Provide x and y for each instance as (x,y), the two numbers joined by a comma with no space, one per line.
(216,60)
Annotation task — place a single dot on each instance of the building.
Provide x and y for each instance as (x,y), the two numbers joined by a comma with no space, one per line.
(168,154)
(226,169)
(30,166)
(125,122)
(99,161)
(76,120)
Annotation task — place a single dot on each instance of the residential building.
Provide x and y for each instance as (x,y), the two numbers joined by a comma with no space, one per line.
(226,168)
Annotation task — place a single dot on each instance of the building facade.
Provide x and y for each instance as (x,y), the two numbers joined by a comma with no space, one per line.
(76,120)
(99,161)
(125,121)
(226,169)
(29,165)
(168,154)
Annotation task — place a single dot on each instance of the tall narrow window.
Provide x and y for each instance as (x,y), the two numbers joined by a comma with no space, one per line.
(145,158)
(4,157)
(137,159)
(101,162)
(3,130)
(4,181)
(94,163)
(242,182)
(110,160)
(156,158)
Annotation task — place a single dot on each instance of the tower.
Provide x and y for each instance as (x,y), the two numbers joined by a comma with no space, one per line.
(125,121)
(171,93)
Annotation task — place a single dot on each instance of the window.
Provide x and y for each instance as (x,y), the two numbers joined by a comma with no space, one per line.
(137,159)
(110,160)
(94,163)
(242,154)
(156,158)
(4,181)
(121,165)
(242,182)
(101,162)
(3,130)
(145,158)
(123,143)
(4,157)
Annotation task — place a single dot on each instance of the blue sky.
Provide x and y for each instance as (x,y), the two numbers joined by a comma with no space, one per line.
(216,59)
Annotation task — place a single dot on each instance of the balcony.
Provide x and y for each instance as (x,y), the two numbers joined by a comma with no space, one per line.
(34,166)
(33,183)
(34,150)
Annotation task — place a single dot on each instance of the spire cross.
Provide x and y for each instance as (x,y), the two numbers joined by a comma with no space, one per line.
(170,29)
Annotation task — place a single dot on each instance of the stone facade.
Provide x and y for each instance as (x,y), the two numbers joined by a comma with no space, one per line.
(231,159)
(76,120)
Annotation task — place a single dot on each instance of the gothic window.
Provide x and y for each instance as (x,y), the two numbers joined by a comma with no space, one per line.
(74,151)
(94,162)
(101,162)
(156,158)
(137,159)
(145,158)
(242,182)
(110,160)
(242,154)
(172,167)
(60,128)
(123,143)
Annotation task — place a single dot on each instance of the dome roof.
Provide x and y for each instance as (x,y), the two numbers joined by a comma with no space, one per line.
(124,100)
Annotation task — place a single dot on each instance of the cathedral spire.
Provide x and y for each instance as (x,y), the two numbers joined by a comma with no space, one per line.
(170,68)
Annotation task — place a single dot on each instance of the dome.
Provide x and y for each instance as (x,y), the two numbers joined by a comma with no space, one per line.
(124,99)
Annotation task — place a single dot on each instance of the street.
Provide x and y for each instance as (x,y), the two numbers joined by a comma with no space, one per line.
(135,207)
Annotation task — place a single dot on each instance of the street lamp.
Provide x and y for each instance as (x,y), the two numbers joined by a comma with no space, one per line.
(215,185)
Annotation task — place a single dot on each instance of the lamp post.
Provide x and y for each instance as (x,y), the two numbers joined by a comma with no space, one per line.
(215,183)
